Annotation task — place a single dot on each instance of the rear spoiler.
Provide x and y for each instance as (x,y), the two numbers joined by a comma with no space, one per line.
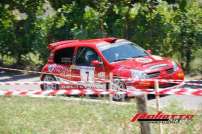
(110,39)
(55,44)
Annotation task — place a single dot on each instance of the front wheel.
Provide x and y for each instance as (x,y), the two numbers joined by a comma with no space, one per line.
(118,85)
(153,96)
(52,86)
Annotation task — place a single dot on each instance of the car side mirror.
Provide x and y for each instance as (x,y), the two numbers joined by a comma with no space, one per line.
(149,51)
(96,63)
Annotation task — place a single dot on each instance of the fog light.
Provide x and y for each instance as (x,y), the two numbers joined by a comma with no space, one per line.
(180,75)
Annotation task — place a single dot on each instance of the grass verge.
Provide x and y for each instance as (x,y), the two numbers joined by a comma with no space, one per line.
(20,115)
(23,115)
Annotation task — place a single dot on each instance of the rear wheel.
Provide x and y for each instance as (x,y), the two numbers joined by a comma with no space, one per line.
(49,78)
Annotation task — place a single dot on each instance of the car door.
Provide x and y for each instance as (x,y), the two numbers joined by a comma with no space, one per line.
(84,71)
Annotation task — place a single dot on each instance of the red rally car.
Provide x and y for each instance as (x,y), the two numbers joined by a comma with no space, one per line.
(94,59)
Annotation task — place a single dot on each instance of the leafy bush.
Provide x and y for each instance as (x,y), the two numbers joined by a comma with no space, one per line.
(171,29)
(196,64)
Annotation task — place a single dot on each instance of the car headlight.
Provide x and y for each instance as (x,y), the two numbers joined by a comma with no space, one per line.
(137,74)
(175,66)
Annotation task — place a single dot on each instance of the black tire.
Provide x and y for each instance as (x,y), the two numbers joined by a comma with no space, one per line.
(121,85)
(49,78)
(152,96)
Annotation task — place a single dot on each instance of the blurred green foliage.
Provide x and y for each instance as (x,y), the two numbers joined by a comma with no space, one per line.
(170,28)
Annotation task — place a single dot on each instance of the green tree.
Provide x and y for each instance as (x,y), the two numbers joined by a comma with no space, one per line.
(22,25)
(188,21)
(168,27)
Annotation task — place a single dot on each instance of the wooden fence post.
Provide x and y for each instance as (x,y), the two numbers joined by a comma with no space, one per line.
(142,108)
(110,85)
(157,95)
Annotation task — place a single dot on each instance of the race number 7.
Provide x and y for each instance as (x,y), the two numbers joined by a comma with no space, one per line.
(87,75)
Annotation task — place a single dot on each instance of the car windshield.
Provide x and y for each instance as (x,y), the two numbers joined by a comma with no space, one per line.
(122,51)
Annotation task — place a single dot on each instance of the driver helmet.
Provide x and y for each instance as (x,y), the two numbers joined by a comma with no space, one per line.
(90,55)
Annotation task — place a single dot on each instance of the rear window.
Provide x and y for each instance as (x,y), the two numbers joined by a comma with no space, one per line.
(64,56)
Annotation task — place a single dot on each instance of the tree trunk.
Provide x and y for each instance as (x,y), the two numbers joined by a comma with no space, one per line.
(19,59)
(188,58)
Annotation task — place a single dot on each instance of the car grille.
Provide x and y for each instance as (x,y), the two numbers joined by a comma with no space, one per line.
(167,85)
(153,74)
(170,70)
(156,74)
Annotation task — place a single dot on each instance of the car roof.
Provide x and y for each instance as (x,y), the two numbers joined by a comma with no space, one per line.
(86,43)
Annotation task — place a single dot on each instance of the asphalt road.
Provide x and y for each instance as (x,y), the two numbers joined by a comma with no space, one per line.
(184,101)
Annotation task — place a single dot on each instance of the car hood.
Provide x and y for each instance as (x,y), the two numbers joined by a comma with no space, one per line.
(148,63)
